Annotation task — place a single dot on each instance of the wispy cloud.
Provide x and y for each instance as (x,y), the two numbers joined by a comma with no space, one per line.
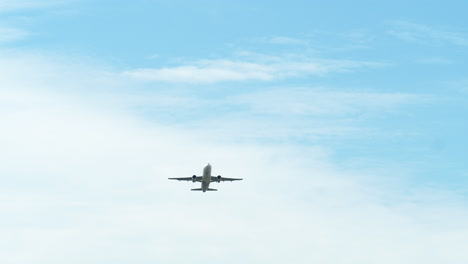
(320,102)
(282,40)
(11,5)
(298,114)
(418,33)
(435,61)
(12,34)
(206,72)
(460,85)
(212,71)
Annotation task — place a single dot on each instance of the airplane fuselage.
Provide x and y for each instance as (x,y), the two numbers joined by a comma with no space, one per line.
(206,178)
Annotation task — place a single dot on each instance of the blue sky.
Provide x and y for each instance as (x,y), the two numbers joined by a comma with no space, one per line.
(347,121)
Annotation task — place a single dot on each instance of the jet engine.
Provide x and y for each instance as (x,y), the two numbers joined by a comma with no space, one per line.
(194,177)
(219,178)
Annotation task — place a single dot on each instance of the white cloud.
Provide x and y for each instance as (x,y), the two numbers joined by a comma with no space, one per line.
(86,181)
(412,32)
(212,71)
(205,72)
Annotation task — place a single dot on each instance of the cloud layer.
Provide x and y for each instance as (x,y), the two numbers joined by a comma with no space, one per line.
(212,71)
(85,180)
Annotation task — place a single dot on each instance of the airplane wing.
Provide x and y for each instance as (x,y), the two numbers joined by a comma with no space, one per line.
(222,179)
(194,179)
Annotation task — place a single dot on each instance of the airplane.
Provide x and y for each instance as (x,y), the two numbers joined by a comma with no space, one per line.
(205,180)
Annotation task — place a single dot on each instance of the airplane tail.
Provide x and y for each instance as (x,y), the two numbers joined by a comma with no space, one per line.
(200,189)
